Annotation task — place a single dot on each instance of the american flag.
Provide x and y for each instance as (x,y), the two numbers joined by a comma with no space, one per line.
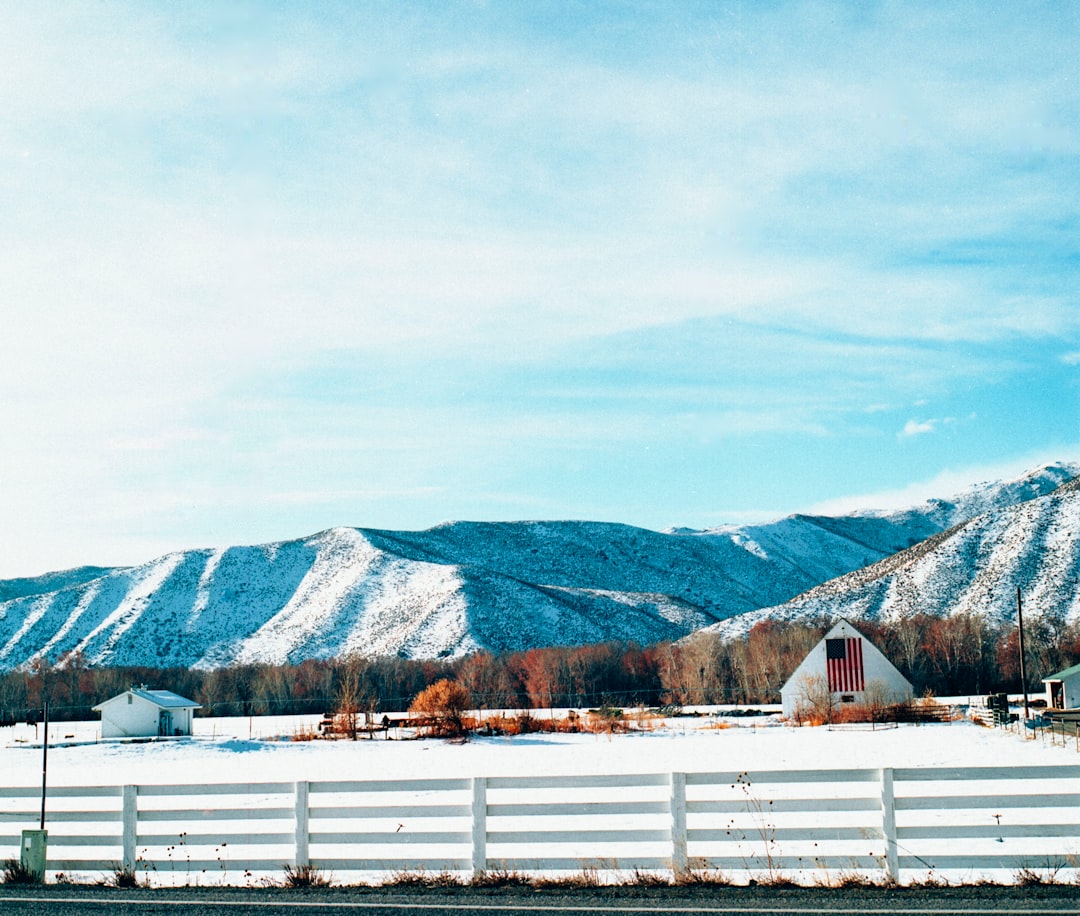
(844,660)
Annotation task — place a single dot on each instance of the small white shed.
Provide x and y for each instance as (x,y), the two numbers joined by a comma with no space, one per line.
(845,667)
(143,713)
(1063,689)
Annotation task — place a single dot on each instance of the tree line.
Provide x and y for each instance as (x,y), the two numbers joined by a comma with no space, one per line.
(964,654)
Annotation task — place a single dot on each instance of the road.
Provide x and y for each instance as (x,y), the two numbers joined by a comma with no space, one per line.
(73,900)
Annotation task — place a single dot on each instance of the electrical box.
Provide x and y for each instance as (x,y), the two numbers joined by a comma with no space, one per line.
(34,844)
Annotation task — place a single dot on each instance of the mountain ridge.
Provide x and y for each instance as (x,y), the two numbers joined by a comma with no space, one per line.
(463,586)
(1034,546)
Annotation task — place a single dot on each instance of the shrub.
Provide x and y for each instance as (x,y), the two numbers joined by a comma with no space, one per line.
(444,704)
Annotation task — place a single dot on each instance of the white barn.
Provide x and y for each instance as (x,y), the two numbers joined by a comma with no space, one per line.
(1063,689)
(142,713)
(845,667)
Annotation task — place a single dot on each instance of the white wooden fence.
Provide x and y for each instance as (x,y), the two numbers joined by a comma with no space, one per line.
(894,824)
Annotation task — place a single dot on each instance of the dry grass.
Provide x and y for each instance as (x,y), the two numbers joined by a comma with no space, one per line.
(703,877)
(304,876)
(774,880)
(647,879)
(17,873)
(929,882)
(1037,877)
(585,879)
(423,879)
(850,880)
(124,877)
(501,878)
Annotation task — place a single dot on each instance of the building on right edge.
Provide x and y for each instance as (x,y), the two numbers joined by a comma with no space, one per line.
(1063,689)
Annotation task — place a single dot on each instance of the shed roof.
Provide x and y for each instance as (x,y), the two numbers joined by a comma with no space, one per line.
(1062,675)
(165,699)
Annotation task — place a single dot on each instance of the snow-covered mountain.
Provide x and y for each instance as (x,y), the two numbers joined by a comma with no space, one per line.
(974,567)
(460,586)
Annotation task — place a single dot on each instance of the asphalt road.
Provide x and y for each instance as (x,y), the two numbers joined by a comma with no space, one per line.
(68,900)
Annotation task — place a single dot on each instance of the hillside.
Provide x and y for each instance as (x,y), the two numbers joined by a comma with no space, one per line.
(974,567)
(460,586)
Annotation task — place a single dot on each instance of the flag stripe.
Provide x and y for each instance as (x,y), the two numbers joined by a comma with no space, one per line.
(845,672)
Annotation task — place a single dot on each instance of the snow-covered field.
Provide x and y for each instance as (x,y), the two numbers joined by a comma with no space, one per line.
(252,750)
(242,752)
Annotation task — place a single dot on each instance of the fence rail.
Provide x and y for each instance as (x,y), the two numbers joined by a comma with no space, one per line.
(893,824)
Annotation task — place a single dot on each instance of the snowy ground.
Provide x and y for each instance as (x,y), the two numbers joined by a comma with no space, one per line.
(244,751)
(253,750)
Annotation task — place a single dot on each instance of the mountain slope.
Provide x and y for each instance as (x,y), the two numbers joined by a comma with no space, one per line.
(50,582)
(973,568)
(352,590)
(810,549)
(457,587)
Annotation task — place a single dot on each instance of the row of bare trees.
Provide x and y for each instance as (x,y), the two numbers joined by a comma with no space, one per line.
(72,687)
(962,654)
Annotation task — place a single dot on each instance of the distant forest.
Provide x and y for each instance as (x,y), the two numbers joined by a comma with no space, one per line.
(961,655)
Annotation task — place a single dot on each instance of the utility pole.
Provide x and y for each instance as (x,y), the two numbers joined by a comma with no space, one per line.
(1023,671)
(44,760)
(34,849)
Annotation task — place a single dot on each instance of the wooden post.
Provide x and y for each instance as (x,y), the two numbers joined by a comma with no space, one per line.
(479,825)
(302,854)
(130,819)
(677,806)
(888,826)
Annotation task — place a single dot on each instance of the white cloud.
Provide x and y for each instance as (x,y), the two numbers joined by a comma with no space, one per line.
(946,483)
(207,203)
(918,428)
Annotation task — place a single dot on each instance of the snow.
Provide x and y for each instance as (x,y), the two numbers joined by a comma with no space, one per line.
(261,749)
(245,752)
(512,586)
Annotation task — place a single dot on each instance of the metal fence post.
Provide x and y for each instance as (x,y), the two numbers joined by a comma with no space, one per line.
(302,855)
(888,825)
(677,805)
(479,825)
(129,818)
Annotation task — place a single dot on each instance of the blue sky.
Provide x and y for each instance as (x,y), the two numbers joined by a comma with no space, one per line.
(270,268)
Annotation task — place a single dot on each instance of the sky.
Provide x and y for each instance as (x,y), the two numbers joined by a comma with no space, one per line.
(267,269)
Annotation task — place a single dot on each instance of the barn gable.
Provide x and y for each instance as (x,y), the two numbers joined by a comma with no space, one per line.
(846,668)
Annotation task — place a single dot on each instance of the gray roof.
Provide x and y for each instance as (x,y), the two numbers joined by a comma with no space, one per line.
(1062,675)
(165,698)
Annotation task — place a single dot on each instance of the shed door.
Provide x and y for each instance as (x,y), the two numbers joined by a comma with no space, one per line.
(1057,695)
(164,722)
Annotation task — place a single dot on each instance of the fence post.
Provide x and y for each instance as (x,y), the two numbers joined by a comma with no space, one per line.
(888,825)
(302,855)
(479,825)
(129,817)
(677,806)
